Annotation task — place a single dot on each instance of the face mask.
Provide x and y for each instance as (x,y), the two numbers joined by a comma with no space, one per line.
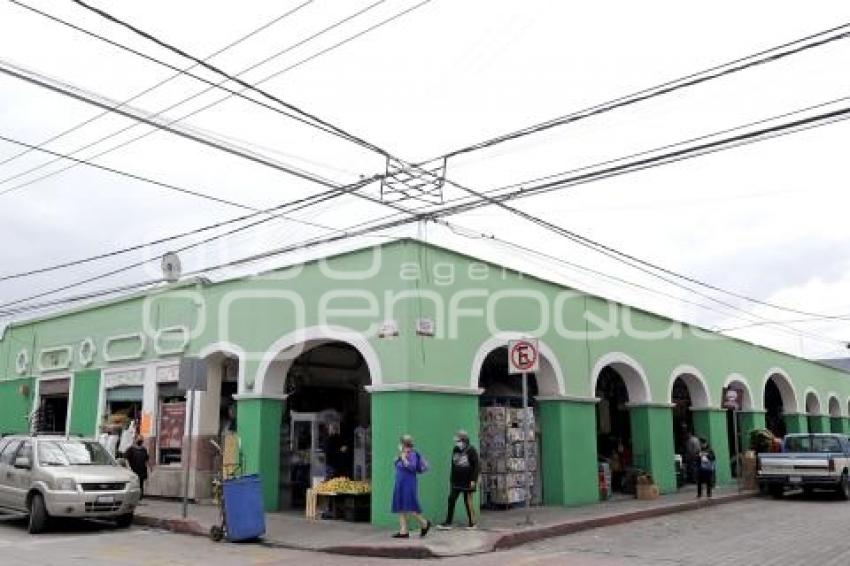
(460,444)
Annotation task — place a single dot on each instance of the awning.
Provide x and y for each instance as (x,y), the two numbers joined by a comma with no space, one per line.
(124,394)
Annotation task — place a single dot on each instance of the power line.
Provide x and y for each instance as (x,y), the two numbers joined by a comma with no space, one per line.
(295,65)
(168,186)
(762,57)
(150,37)
(163,82)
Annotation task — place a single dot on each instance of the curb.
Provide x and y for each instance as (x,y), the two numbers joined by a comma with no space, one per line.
(499,540)
(514,539)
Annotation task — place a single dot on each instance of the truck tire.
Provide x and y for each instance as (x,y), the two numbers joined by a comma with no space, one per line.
(38,515)
(844,487)
(777,491)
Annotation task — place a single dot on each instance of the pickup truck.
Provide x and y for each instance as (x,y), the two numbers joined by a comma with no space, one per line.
(807,461)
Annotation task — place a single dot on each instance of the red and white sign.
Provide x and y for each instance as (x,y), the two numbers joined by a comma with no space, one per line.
(523,356)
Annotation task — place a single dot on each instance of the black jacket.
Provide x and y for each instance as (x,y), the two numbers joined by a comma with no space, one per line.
(465,467)
(137,458)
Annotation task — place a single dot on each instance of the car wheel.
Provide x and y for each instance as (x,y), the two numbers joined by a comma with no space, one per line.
(844,487)
(38,515)
(124,521)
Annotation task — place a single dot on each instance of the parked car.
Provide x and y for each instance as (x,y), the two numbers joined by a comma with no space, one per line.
(56,476)
(807,461)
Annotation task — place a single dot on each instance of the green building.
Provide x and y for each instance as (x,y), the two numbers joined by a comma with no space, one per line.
(402,338)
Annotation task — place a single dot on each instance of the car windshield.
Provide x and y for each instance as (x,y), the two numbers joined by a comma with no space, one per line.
(73,453)
(815,444)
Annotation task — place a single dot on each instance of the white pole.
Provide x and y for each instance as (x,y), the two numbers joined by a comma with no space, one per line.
(190,399)
(525,434)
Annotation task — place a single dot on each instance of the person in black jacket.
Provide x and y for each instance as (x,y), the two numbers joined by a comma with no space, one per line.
(705,470)
(464,478)
(137,458)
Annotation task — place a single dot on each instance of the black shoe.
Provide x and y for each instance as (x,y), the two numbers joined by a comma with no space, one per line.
(401,535)
(424,532)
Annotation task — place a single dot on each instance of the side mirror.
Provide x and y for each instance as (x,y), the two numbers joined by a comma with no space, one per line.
(23,463)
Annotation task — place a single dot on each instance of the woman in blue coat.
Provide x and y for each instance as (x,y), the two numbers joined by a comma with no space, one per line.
(408,465)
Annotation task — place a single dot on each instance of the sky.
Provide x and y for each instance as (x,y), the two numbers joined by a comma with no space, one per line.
(765,220)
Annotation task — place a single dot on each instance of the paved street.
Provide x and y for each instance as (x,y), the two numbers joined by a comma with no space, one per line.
(761,531)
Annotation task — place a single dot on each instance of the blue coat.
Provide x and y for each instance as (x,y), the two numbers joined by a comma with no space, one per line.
(405,497)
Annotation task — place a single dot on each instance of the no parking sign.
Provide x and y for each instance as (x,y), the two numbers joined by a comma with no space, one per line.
(523,356)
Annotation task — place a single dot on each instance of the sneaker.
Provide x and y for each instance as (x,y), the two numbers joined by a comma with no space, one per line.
(444,527)
(472,527)
(401,535)
(424,532)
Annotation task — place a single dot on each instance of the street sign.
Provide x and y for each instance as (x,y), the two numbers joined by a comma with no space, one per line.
(192,375)
(523,356)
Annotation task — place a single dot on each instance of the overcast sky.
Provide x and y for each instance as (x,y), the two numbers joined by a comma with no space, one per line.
(767,220)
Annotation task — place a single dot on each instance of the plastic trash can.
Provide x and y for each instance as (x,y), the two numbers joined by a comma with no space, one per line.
(243,508)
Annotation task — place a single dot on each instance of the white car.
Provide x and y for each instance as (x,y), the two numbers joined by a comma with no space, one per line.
(57,476)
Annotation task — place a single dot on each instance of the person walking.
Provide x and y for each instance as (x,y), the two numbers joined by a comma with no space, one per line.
(408,465)
(137,457)
(692,453)
(464,479)
(705,472)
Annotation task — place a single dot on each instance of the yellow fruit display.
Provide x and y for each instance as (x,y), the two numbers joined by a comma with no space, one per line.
(343,485)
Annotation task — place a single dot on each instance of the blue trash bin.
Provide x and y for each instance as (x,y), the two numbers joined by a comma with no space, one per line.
(243,508)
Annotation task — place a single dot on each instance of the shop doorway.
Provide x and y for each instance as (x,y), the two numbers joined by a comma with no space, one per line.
(774,407)
(326,425)
(503,472)
(613,432)
(813,412)
(53,406)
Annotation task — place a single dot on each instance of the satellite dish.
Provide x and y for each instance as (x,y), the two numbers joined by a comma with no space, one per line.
(171,269)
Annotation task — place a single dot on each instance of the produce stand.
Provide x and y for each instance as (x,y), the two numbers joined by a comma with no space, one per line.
(339,499)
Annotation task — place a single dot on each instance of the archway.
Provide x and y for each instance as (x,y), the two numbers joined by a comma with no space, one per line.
(740,416)
(813,412)
(780,404)
(836,422)
(688,394)
(617,383)
(501,429)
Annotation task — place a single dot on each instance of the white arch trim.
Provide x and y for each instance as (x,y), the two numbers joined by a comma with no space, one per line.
(786,388)
(697,387)
(818,408)
(738,379)
(831,397)
(320,335)
(501,340)
(231,349)
(638,389)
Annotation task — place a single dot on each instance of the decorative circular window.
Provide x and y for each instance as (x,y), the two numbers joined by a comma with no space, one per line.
(22,362)
(87,352)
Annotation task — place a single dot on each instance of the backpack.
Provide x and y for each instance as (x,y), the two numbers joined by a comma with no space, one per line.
(706,464)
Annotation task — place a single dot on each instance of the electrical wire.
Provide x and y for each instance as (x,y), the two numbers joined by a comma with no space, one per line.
(731,67)
(253,88)
(287,49)
(163,82)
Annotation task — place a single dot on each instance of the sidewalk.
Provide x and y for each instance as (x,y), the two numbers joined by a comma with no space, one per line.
(498,529)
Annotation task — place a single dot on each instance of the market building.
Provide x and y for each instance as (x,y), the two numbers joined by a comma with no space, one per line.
(357,348)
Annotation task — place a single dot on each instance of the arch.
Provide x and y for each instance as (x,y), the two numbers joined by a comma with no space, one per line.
(550,381)
(813,405)
(833,405)
(736,379)
(280,355)
(213,351)
(630,370)
(695,382)
(786,389)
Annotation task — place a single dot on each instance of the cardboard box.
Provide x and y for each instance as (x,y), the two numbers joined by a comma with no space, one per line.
(647,491)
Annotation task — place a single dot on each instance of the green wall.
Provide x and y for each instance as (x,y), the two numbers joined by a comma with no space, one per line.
(259,432)
(85,398)
(569,458)
(14,407)
(432,419)
(652,444)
